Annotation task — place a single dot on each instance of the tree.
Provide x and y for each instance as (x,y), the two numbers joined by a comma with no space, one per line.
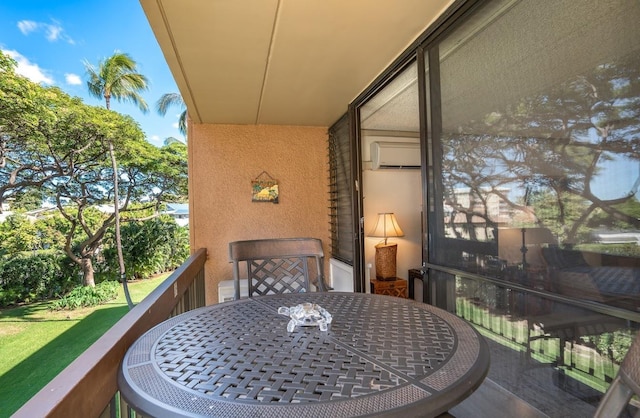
(116,77)
(553,145)
(28,200)
(17,234)
(26,110)
(61,148)
(154,245)
(57,147)
(88,135)
(168,100)
(170,180)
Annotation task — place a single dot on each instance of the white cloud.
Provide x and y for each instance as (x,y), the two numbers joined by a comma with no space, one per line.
(52,31)
(73,79)
(27,26)
(175,125)
(27,69)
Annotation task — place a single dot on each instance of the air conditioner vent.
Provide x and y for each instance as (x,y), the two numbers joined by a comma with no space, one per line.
(385,155)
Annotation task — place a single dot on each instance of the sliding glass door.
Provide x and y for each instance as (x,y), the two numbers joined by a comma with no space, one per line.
(534,214)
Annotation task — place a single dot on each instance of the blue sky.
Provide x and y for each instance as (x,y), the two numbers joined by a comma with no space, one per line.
(52,39)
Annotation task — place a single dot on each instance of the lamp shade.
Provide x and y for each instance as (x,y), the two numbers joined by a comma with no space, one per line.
(386,226)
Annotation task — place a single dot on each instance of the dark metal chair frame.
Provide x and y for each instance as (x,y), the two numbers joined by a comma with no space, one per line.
(624,386)
(279,265)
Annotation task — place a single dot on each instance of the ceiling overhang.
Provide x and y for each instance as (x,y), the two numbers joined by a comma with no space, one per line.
(282,62)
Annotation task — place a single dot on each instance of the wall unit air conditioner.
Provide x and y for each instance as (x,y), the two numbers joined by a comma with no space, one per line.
(395,155)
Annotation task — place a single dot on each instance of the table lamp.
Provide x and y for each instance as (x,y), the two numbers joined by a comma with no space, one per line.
(386,226)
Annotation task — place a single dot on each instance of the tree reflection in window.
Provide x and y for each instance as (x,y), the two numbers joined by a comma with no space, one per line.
(567,159)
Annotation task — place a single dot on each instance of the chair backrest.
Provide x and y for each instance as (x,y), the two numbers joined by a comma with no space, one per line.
(277,265)
(624,386)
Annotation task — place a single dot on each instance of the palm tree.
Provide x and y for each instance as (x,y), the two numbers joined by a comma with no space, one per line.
(173,99)
(116,77)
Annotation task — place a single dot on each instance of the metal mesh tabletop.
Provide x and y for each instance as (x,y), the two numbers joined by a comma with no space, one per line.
(381,355)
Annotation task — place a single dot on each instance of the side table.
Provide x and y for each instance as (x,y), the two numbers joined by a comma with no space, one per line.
(397,287)
(418,274)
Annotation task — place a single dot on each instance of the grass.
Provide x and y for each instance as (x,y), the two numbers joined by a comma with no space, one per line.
(581,364)
(36,343)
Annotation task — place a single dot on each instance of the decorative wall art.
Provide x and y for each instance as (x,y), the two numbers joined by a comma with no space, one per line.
(264,188)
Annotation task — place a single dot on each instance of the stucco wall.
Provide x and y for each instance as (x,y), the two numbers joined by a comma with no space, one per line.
(224,159)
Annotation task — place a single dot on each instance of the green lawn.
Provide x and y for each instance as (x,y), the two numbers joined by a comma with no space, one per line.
(36,343)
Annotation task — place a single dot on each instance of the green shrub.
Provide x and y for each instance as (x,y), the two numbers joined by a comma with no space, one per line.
(27,277)
(613,345)
(150,247)
(83,296)
(8,297)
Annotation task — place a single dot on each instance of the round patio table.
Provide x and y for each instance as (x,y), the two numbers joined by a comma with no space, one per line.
(381,356)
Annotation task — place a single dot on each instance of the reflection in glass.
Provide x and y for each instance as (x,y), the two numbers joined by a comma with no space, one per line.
(541,149)
(559,358)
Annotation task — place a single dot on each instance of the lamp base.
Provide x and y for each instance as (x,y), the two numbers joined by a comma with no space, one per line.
(386,261)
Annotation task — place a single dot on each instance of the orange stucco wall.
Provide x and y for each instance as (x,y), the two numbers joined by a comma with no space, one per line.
(224,159)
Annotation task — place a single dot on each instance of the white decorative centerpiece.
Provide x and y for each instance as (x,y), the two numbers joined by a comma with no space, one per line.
(306,315)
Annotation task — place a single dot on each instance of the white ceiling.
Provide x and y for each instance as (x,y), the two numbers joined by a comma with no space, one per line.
(282,62)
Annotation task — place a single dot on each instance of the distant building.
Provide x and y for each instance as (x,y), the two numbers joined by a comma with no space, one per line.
(179,212)
(41,213)
(617,237)
(477,216)
(5,212)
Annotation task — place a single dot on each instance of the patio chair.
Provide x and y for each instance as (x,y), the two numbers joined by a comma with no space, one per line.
(278,265)
(624,386)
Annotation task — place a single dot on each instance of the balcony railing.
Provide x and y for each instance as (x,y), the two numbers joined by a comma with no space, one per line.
(88,386)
